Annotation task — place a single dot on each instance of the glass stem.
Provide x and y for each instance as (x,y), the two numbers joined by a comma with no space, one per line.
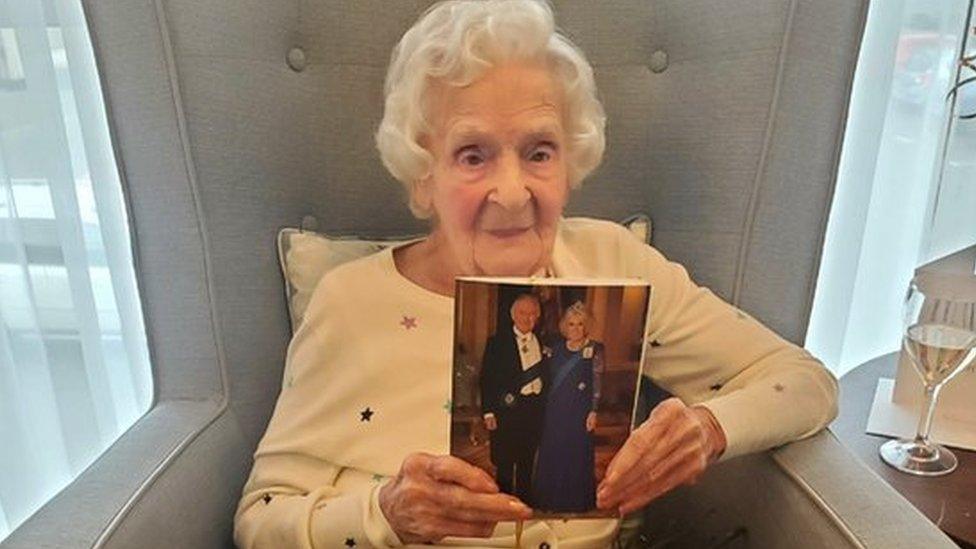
(925,422)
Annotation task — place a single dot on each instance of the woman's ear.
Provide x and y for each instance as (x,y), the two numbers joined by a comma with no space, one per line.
(422,197)
(422,191)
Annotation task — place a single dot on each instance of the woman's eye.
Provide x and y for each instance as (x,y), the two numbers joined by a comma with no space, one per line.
(542,153)
(471,157)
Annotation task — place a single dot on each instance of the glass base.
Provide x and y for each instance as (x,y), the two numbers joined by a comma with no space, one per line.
(916,458)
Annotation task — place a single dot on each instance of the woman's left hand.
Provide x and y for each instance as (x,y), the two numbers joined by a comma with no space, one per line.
(672,448)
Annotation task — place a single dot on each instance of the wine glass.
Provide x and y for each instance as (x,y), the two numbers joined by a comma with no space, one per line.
(940,341)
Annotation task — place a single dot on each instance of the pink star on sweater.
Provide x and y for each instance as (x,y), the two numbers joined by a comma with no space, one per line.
(409,322)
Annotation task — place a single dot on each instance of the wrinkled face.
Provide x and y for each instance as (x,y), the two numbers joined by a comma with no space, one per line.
(499,180)
(525,313)
(574,328)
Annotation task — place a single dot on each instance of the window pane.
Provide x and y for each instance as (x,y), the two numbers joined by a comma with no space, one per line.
(74,365)
(953,221)
(888,177)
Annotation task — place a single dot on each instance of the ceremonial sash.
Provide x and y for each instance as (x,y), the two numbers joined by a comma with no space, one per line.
(564,372)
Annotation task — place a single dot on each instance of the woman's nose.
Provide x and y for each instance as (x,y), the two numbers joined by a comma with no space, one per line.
(510,191)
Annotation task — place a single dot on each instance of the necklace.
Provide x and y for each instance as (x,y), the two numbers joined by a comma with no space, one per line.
(581,345)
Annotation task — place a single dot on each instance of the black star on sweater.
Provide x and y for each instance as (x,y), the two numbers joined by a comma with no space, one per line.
(366,414)
(350,542)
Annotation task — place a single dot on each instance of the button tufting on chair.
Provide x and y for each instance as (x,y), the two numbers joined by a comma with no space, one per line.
(659,61)
(310,223)
(296,59)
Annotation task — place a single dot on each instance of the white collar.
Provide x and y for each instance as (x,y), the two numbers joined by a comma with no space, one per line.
(520,334)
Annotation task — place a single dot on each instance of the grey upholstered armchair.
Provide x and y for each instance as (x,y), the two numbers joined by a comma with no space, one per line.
(233,118)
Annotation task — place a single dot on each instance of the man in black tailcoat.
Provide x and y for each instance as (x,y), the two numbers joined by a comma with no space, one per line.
(512,400)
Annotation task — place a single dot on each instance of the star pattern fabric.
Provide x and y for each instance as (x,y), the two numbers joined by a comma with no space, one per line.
(343,357)
(408,322)
(366,415)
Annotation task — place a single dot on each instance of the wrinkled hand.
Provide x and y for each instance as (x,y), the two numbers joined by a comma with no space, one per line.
(491,423)
(672,448)
(590,422)
(437,496)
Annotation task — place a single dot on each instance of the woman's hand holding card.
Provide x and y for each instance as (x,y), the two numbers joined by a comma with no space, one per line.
(437,496)
(672,448)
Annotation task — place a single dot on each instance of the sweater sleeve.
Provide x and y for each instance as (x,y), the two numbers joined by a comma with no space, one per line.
(292,501)
(298,495)
(763,390)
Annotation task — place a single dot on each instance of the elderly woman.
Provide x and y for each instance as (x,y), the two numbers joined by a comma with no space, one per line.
(490,118)
(564,478)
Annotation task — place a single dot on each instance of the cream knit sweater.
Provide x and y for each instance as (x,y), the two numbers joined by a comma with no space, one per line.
(367,381)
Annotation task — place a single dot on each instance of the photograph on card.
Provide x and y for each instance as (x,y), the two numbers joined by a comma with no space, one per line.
(545,382)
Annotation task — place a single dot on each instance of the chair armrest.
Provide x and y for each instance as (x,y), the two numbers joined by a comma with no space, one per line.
(811,493)
(134,480)
(865,506)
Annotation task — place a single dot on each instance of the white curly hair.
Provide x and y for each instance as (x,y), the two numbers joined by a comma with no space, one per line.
(454,42)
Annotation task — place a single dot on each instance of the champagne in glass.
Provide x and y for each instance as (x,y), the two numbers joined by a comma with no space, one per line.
(938,351)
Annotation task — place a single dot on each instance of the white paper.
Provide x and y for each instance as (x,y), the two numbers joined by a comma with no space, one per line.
(900,420)
(958,396)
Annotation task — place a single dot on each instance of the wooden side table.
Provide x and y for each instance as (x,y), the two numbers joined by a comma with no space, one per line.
(949,501)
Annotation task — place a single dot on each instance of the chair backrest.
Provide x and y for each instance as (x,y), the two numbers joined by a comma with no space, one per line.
(234,118)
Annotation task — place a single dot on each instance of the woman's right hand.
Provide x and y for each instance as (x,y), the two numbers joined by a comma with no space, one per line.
(437,496)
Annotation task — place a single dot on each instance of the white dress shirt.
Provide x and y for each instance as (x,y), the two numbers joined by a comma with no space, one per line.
(530,352)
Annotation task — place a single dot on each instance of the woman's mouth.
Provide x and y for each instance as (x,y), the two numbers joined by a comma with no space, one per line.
(507,232)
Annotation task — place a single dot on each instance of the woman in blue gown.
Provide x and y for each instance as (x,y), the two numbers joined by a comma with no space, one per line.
(564,478)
